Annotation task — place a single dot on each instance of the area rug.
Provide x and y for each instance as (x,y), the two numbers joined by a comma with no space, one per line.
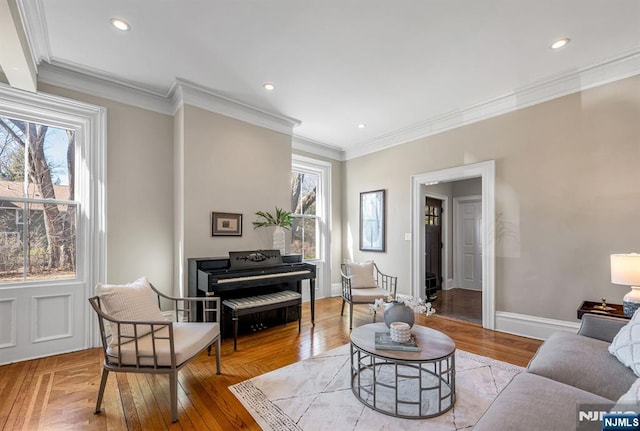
(315,394)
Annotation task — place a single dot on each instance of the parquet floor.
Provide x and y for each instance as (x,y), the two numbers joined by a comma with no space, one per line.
(59,392)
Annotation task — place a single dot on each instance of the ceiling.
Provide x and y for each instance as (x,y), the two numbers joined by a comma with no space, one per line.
(392,65)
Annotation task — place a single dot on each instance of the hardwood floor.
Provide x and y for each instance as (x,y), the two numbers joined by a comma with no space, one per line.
(462,304)
(59,392)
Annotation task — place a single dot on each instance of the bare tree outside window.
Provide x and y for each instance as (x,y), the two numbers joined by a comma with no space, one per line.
(38,212)
(304,230)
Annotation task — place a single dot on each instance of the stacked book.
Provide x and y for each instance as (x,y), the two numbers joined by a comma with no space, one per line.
(384,342)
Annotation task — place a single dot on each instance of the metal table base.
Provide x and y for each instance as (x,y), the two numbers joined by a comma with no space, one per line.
(405,388)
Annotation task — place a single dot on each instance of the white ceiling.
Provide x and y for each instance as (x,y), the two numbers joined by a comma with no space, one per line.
(393,65)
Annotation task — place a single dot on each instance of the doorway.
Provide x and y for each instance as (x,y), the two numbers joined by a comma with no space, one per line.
(433,245)
(486,172)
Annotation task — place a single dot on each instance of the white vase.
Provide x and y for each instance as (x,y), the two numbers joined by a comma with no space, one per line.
(278,239)
(631,301)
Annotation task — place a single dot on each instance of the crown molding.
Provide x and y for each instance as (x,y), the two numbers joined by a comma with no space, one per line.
(553,87)
(98,84)
(185,92)
(35,25)
(318,148)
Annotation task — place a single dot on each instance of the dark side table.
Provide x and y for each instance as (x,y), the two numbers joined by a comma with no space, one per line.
(588,307)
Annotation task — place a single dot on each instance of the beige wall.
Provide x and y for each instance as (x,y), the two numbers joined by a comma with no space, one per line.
(166,174)
(567,196)
(139,191)
(231,166)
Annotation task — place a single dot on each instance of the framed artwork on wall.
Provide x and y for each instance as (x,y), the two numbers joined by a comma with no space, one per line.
(226,224)
(372,221)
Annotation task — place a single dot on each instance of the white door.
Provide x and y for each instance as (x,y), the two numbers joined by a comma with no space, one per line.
(468,243)
(51,213)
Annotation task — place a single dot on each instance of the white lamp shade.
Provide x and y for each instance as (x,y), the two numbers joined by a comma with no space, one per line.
(625,269)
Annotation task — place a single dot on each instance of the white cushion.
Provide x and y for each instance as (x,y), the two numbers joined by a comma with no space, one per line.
(630,399)
(361,275)
(626,344)
(189,339)
(135,301)
(368,296)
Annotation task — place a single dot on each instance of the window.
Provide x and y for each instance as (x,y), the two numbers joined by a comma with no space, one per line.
(38,211)
(304,230)
(310,197)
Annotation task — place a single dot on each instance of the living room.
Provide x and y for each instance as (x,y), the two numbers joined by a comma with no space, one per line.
(564,152)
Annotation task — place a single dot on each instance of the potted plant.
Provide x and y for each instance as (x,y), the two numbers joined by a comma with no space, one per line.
(282,219)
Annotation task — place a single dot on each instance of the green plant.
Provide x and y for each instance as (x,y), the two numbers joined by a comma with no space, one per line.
(282,218)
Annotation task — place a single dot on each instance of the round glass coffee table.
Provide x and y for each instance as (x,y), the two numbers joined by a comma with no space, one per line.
(415,385)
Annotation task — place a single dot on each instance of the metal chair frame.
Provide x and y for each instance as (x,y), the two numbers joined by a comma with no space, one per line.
(384,281)
(182,307)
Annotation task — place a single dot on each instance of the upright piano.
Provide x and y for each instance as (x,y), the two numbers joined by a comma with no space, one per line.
(249,273)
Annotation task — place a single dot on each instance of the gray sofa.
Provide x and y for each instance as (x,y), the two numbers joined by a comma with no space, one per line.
(567,371)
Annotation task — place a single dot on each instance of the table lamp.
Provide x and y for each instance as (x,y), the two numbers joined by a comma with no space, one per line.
(625,269)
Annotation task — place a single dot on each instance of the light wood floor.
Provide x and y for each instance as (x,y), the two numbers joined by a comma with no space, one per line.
(59,392)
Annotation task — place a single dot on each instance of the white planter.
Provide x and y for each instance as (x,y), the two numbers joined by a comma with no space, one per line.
(278,239)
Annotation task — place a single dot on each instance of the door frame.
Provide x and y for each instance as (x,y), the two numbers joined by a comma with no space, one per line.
(457,201)
(444,220)
(486,171)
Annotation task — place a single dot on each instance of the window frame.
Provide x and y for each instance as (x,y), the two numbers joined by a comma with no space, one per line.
(323,198)
(21,212)
(89,123)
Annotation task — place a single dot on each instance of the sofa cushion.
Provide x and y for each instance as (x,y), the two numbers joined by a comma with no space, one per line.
(535,403)
(584,363)
(626,344)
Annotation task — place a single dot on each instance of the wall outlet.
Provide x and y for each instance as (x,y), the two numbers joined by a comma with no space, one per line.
(407,236)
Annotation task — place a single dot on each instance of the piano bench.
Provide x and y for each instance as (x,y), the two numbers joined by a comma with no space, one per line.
(255,304)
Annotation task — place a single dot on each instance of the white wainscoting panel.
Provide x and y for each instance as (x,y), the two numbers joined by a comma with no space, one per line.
(8,322)
(52,317)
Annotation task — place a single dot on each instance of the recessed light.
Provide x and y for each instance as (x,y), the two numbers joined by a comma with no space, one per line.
(560,43)
(269,86)
(361,126)
(120,24)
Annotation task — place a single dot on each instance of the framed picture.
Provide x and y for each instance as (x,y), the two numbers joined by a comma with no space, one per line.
(372,221)
(226,224)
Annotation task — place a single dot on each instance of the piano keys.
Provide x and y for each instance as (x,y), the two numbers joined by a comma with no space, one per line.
(248,273)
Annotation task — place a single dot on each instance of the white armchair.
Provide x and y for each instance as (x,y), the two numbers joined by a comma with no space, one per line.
(136,338)
(363,283)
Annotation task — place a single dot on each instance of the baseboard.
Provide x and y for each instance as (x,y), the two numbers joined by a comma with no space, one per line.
(531,326)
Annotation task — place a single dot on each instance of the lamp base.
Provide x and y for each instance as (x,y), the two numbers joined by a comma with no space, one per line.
(631,301)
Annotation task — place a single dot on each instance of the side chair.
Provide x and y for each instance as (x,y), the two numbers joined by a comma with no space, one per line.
(136,337)
(363,283)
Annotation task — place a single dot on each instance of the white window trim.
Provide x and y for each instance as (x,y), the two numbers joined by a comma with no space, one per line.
(323,210)
(89,122)
(323,199)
